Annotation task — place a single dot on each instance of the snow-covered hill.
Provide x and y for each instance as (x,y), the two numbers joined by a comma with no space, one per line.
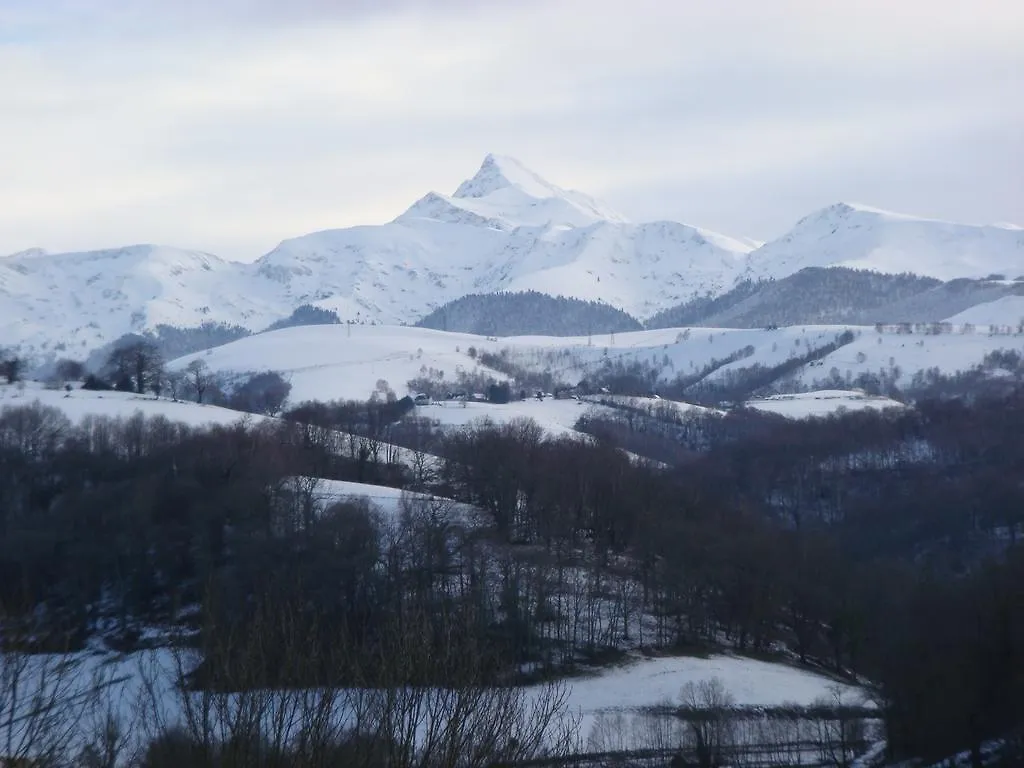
(71,303)
(821,403)
(337,362)
(860,237)
(331,362)
(1006,311)
(81,403)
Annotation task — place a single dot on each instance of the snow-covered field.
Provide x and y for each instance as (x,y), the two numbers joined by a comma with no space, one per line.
(331,362)
(821,403)
(651,405)
(556,417)
(1007,311)
(335,361)
(871,352)
(142,684)
(649,682)
(79,403)
(385,499)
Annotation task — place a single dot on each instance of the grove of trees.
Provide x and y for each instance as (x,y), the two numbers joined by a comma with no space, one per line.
(880,547)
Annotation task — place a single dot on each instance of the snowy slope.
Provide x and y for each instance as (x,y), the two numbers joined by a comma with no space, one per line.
(872,352)
(149,677)
(860,237)
(74,302)
(1007,311)
(823,402)
(80,403)
(508,195)
(650,682)
(389,501)
(503,229)
(556,417)
(330,362)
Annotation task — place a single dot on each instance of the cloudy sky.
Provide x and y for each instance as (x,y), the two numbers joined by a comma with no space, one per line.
(228,125)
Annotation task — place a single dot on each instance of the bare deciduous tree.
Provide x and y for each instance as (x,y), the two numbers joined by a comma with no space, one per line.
(199,378)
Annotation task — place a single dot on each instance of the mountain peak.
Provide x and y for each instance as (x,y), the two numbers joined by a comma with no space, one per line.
(498,172)
(505,182)
(862,237)
(843,211)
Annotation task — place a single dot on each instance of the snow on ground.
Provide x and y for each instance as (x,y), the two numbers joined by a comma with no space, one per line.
(79,403)
(384,498)
(141,684)
(688,351)
(1008,310)
(653,681)
(651,405)
(872,352)
(823,402)
(336,361)
(861,237)
(556,417)
(331,362)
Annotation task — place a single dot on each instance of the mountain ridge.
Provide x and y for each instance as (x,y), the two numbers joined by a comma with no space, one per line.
(505,229)
(863,237)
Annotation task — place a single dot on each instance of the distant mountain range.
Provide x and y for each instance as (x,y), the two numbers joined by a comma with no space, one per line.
(508,230)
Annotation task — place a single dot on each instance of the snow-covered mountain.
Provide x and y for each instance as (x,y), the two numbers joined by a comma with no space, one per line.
(70,303)
(504,229)
(860,237)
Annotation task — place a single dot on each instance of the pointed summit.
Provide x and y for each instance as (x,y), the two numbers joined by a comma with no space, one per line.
(498,172)
(506,185)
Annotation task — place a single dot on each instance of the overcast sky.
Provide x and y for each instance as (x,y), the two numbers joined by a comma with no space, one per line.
(230,128)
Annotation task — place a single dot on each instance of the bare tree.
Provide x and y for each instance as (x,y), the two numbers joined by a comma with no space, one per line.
(199,378)
(43,699)
(237,703)
(175,381)
(705,706)
(840,734)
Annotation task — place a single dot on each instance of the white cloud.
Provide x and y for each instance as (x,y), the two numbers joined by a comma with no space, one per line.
(232,128)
